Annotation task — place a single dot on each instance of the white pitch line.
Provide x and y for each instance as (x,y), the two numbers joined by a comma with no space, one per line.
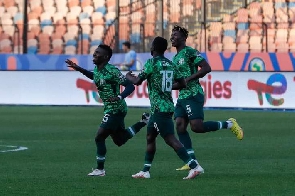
(16,148)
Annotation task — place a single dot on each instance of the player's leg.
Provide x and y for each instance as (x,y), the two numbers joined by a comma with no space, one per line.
(107,127)
(195,113)
(100,137)
(135,128)
(198,126)
(182,121)
(150,152)
(165,126)
(195,167)
(121,135)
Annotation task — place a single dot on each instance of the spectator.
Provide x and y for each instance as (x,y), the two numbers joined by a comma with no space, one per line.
(130,58)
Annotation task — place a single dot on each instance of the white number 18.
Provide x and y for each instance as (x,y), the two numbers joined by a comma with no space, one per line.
(167,78)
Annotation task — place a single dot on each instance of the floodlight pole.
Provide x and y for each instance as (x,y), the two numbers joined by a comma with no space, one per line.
(204,22)
(117,26)
(161,17)
(25,28)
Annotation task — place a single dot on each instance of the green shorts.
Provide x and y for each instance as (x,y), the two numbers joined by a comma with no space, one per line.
(162,123)
(191,108)
(114,122)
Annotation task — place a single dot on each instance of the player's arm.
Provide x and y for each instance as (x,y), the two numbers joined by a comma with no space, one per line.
(179,79)
(179,84)
(133,78)
(143,75)
(205,68)
(119,78)
(129,88)
(76,67)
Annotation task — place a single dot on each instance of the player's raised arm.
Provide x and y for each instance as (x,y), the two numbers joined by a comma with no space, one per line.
(76,67)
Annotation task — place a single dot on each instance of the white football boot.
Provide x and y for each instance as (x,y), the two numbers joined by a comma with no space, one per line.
(194,172)
(97,172)
(142,174)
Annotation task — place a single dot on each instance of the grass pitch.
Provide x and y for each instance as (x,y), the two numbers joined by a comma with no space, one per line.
(61,151)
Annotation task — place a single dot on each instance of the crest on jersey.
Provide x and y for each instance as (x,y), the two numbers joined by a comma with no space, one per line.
(101,82)
(181,61)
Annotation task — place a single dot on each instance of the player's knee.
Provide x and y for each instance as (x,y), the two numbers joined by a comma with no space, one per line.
(151,145)
(118,143)
(172,141)
(180,126)
(197,128)
(99,138)
(150,140)
(151,149)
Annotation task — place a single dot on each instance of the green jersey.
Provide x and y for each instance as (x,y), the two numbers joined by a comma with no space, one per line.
(108,81)
(160,73)
(187,61)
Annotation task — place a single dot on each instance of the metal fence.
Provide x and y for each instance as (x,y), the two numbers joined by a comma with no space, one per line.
(136,21)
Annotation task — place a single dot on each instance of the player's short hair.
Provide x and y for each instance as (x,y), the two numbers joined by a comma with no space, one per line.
(182,30)
(160,44)
(127,44)
(107,49)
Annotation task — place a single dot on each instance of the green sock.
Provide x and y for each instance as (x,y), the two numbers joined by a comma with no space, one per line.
(185,139)
(211,126)
(149,157)
(183,155)
(214,125)
(224,125)
(191,153)
(137,126)
(133,130)
(128,133)
(100,154)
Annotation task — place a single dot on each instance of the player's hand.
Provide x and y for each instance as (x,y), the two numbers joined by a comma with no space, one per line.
(113,99)
(71,64)
(130,74)
(186,80)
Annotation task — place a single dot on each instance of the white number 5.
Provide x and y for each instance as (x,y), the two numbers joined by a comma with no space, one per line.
(105,118)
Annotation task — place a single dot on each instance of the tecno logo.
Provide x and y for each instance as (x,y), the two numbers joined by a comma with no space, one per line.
(89,89)
(276,84)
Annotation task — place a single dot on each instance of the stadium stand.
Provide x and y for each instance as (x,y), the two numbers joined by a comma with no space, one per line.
(78,26)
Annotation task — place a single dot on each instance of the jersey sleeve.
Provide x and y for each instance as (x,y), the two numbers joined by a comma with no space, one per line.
(146,71)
